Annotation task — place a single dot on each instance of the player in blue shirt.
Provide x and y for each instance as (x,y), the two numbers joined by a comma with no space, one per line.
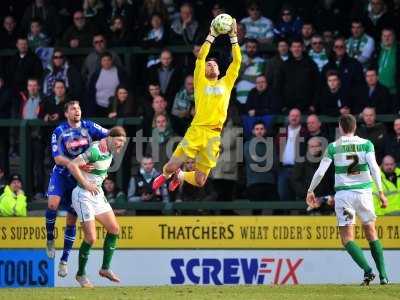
(69,139)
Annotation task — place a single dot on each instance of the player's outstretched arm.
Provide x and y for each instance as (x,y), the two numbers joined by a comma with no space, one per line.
(200,68)
(74,166)
(233,70)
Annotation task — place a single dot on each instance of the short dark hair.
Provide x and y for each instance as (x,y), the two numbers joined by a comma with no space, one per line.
(252,40)
(117,131)
(36,20)
(106,54)
(212,58)
(259,122)
(296,40)
(357,21)
(330,73)
(348,123)
(372,69)
(59,81)
(70,103)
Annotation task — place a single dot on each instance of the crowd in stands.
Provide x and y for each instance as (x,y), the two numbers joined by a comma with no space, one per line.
(301,59)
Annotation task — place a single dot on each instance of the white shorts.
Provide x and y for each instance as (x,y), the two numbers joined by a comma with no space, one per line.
(349,204)
(87,206)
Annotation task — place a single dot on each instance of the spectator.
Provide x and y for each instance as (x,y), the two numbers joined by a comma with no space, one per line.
(31,106)
(334,101)
(141,185)
(307,31)
(160,138)
(315,129)
(12,198)
(373,131)
(392,142)
(183,107)
(257,26)
(331,16)
(226,173)
(388,64)
(60,69)
(157,35)
(6,105)
(167,75)
(289,143)
(241,35)
(299,82)
(360,45)
(377,18)
(121,104)
(113,194)
(185,29)
(317,52)
(349,69)
(262,100)
(125,9)
(158,107)
(94,13)
(119,35)
(372,94)
(45,12)
(8,34)
(53,106)
(289,25)
(36,37)
(252,66)
(260,164)
(303,172)
(275,64)
(79,34)
(93,60)
(188,192)
(102,86)
(23,65)
(151,7)
(328,38)
(390,175)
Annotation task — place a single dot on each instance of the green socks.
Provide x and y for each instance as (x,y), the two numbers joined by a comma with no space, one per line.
(358,256)
(83,257)
(377,254)
(108,247)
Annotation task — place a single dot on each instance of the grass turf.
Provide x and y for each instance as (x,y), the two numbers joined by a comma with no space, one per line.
(306,292)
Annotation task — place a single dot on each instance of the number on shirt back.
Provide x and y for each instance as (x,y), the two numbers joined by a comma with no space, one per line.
(352,168)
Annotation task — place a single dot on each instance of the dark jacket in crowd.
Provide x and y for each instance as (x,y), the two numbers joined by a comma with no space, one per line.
(392,147)
(267,172)
(263,103)
(379,98)
(330,103)
(52,106)
(299,83)
(6,103)
(174,83)
(8,40)
(19,70)
(350,72)
(377,135)
(84,35)
(374,29)
(273,70)
(303,173)
(47,14)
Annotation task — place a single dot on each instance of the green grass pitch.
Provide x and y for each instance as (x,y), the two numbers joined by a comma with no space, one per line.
(300,292)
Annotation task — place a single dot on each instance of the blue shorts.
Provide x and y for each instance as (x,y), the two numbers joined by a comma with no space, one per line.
(62,186)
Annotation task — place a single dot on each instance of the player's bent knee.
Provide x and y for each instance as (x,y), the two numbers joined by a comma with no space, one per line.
(71,219)
(53,203)
(370,231)
(90,239)
(201,179)
(114,229)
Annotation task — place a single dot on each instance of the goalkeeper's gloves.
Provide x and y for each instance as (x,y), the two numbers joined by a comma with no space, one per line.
(233,32)
(212,35)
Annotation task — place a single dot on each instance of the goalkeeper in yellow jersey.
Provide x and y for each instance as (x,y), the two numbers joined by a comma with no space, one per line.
(202,140)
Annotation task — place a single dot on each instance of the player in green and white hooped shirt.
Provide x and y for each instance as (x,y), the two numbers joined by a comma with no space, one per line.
(355,162)
(90,203)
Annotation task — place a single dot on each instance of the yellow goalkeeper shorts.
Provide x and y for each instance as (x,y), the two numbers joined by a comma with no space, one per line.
(202,144)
